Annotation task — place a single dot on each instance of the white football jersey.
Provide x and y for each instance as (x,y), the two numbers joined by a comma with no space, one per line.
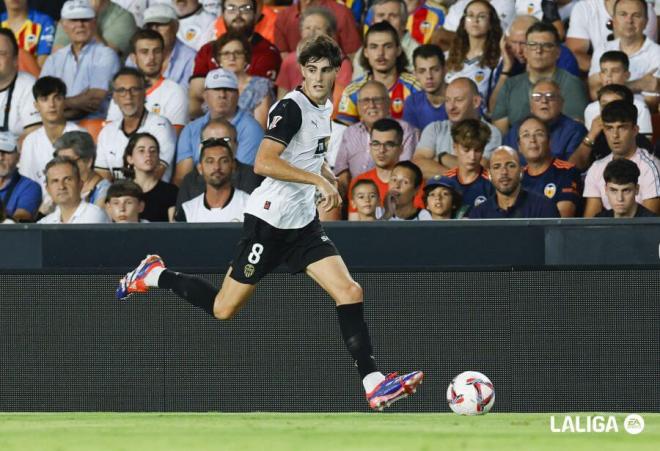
(304,128)
(21,112)
(197,29)
(481,75)
(197,210)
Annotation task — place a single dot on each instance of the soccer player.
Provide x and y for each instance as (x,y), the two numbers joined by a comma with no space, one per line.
(281,225)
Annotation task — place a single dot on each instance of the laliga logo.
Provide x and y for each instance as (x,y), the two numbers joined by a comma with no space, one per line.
(633,424)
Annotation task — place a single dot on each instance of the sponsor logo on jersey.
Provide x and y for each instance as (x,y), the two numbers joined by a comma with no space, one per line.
(248,270)
(274,122)
(479,200)
(320,147)
(550,190)
(324,238)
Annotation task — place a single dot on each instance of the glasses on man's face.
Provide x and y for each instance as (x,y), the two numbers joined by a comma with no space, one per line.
(543,46)
(233,9)
(547,96)
(233,54)
(369,100)
(133,91)
(388,145)
(476,17)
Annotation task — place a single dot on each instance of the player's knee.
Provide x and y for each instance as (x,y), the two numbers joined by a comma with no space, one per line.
(222,312)
(352,293)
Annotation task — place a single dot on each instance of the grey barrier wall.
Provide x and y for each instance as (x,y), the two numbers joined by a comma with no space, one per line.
(551,337)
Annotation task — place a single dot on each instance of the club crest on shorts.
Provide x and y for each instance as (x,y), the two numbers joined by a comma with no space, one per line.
(248,270)
(550,190)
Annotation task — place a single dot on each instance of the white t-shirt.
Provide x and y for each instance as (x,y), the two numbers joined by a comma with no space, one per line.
(166,98)
(649,179)
(643,115)
(85,214)
(22,112)
(197,210)
(197,29)
(112,142)
(589,21)
(36,152)
(472,69)
(304,128)
(505,9)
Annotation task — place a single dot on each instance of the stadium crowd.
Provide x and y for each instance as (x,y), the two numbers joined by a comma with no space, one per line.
(153,110)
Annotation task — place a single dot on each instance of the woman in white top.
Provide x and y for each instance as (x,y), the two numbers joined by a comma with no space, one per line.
(475,50)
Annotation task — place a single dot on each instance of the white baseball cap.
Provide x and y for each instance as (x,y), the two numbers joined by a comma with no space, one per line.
(77,9)
(8,142)
(159,13)
(221,78)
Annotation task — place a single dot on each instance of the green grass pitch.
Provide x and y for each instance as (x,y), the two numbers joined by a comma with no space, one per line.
(305,432)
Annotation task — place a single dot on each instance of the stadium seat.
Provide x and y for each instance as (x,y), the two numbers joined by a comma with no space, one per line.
(93,126)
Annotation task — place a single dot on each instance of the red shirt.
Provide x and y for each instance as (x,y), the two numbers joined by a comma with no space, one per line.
(265,61)
(383,187)
(287,27)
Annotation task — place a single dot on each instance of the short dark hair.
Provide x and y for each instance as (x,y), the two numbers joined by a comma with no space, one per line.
(146,34)
(214,142)
(419,178)
(384,27)
(362,182)
(387,124)
(228,37)
(619,111)
(318,48)
(621,90)
(123,188)
(46,86)
(429,51)
(472,133)
(62,160)
(6,32)
(621,171)
(615,56)
(130,71)
(529,118)
(542,27)
(642,3)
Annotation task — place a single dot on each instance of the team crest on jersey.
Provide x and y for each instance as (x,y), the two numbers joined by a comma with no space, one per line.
(191,33)
(530,8)
(426,25)
(31,39)
(397,105)
(248,270)
(274,122)
(550,190)
(479,200)
(320,147)
(479,76)
(156,108)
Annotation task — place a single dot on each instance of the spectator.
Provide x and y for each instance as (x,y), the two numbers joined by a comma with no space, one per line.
(114,29)
(178,58)
(313,21)
(620,127)
(545,174)
(287,27)
(85,66)
(511,200)
(141,158)
(33,30)
(622,187)
(124,203)
(428,105)
(128,87)
(255,93)
(163,96)
(629,19)
(353,157)
(49,95)
(79,147)
(19,114)
(442,198)
(547,11)
(385,149)
(504,8)
(546,103)
(469,138)
(395,13)
(385,62)
(221,96)
(541,53)
(366,198)
(20,196)
(64,186)
(614,70)
(220,201)
(435,152)
(591,27)
(405,182)
(475,49)
(195,24)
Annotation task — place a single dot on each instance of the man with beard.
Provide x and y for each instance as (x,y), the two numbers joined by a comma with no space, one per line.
(220,201)
(510,199)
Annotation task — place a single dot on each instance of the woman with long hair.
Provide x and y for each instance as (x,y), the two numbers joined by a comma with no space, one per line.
(232,52)
(141,159)
(475,49)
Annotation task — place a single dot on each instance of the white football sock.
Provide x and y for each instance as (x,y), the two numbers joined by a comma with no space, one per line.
(151,279)
(372,380)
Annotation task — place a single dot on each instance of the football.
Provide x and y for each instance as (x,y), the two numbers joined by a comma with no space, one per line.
(471,393)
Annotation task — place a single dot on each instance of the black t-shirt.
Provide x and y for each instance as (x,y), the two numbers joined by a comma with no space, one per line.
(642,212)
(158,200)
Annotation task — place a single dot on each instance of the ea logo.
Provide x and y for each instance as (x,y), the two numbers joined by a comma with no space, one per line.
(550,190)
(479,200)
(633,424)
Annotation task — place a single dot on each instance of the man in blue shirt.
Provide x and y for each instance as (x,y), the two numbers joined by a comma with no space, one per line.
(20,195)
(510,199)
(546,175)
(428,105)
(221,96)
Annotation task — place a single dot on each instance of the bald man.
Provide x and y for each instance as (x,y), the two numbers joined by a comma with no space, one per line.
(510,199)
